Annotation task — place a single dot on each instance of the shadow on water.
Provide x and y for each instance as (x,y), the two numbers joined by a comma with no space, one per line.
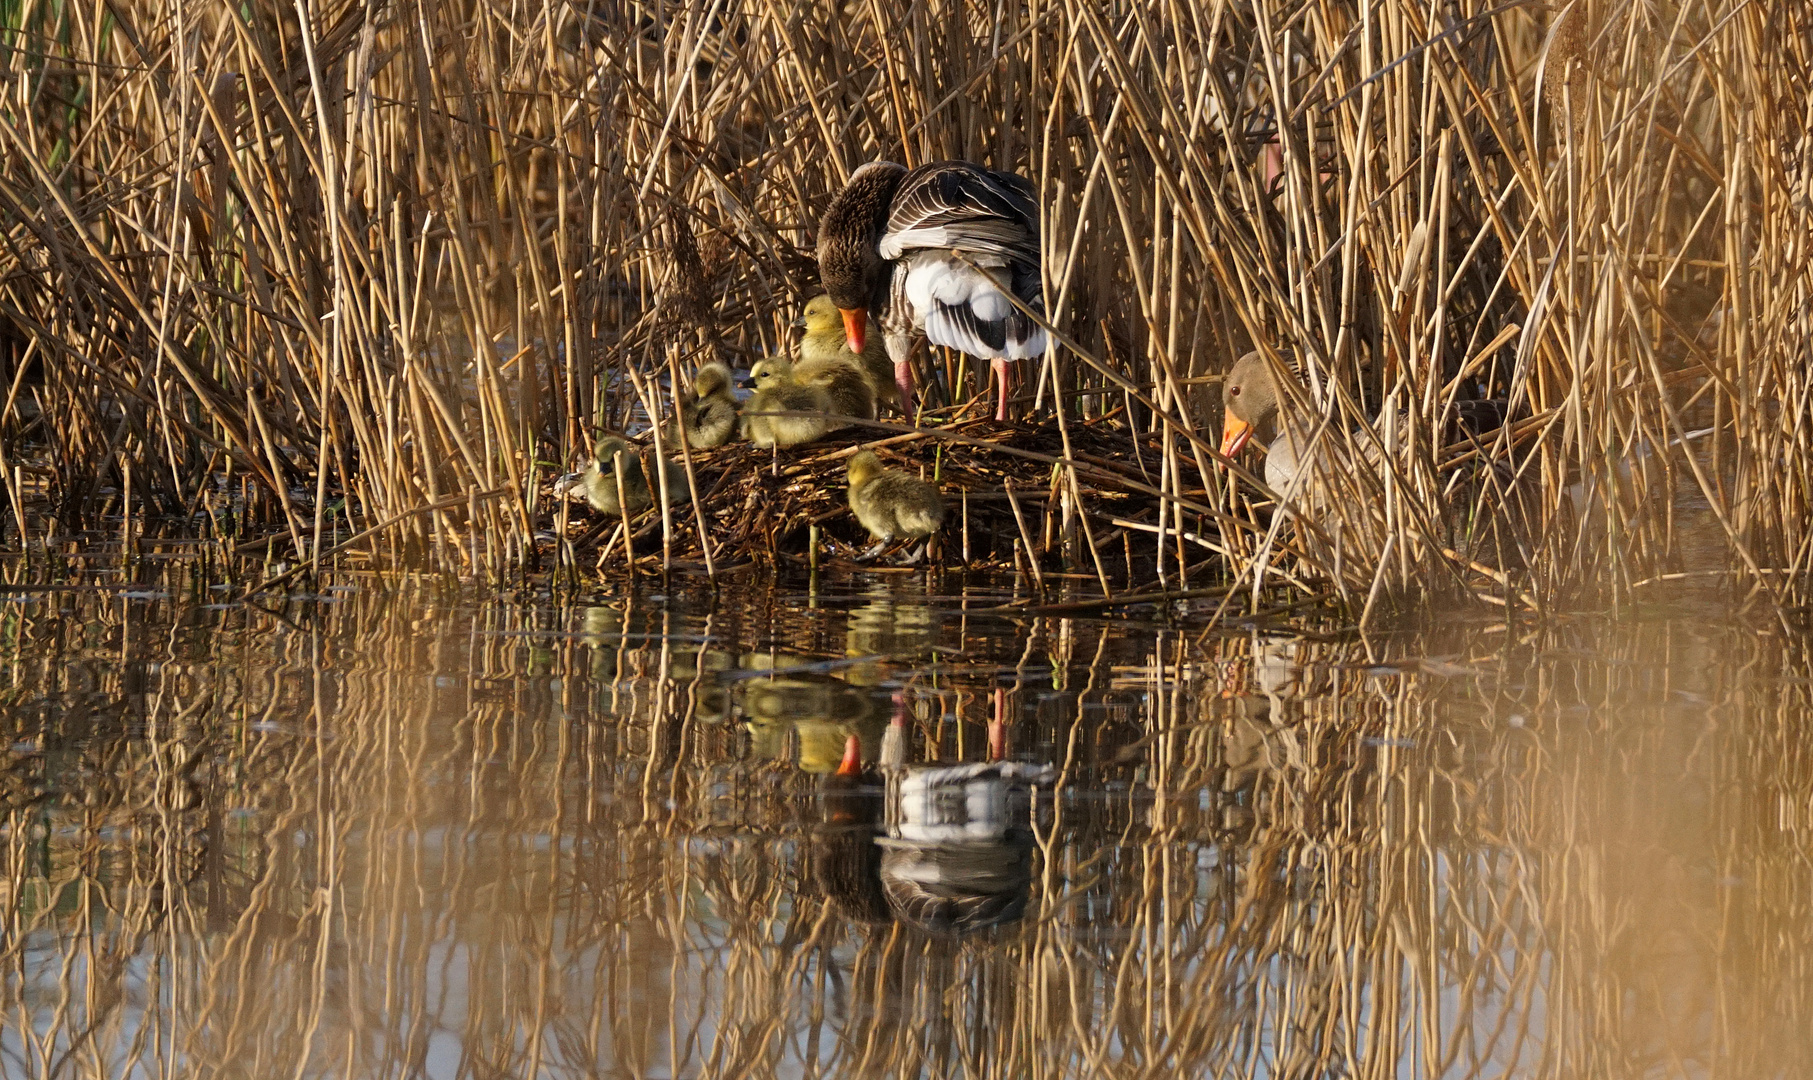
(860,832)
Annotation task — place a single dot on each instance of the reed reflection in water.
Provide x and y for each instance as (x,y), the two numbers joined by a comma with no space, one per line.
(402,836)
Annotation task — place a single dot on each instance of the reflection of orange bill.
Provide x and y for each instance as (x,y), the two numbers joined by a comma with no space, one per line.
(1234,434)
(856,320)
(852,762)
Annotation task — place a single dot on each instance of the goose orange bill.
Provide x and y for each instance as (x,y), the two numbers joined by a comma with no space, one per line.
(1234,434)
(856,320)
(851,765)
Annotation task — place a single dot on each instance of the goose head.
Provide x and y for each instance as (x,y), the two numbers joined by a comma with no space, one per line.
(848,260)
(819,316)
(862,468)
(1249,401)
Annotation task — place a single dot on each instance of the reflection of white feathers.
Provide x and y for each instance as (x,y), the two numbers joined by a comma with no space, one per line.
(957,853)
(979,801)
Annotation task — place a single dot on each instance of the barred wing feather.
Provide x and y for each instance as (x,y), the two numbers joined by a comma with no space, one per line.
(954,204)
(992,220)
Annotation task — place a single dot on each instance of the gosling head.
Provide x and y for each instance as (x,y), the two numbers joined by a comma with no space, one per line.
(848,234)
(819,316)
(608,447)
(713,378)
(1249,400)
(862,468)
(772,370)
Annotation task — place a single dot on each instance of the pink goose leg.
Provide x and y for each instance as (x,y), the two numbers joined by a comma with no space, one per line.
(1004,383)
(903,378)
(900,350)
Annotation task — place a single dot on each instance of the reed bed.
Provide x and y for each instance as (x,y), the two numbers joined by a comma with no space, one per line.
(291,274)
(534,841)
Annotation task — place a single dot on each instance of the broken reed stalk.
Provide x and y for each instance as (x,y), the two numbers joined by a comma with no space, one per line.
(301,243)
(1032,556)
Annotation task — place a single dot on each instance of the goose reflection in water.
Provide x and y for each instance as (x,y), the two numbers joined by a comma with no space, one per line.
(943,848)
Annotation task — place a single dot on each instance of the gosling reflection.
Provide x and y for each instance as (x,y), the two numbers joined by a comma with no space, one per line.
(885,628)
(946,849)
(804,716)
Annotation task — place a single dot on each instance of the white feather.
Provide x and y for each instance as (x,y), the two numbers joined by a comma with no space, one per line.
(921,282)
(958,284)
(932,277)
(894,243)
(941,330)
(1026,350)
(989,305)
(935,282)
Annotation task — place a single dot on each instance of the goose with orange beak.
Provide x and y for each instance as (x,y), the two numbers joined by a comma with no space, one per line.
(1249,402)
(1250,397)
(928,252)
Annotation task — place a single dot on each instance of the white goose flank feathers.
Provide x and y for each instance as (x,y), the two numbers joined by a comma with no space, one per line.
(952,211)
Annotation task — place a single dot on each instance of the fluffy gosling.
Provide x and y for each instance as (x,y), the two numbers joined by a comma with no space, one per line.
(709,413)
(599,480)
(777,390)
(891,504)
(846,388)
(825,341)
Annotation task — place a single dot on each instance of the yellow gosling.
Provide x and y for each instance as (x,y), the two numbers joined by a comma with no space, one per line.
(776,390)
(709,413)
(846,388)
(599,480)
(825,341)
(891,504)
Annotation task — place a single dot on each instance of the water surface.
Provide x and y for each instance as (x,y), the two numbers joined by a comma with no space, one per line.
(428,834)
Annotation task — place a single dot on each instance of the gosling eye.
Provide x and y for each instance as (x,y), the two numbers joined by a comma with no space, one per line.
(1233,391)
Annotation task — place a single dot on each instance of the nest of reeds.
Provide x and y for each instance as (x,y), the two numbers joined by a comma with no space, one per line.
(1002,485)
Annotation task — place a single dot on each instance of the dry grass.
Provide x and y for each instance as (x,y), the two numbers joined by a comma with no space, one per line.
(478,840)
(291,271)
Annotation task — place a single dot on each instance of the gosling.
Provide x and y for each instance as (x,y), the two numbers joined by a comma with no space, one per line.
(825,341)
(709,414)
(599,480)
(846,387)
(891,504)
(777,390)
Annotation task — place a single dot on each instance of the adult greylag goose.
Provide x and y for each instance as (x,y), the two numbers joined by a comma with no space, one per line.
(910,247)
(1250,397)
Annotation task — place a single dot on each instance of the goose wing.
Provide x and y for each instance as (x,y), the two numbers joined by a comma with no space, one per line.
(993,220)
(954,204)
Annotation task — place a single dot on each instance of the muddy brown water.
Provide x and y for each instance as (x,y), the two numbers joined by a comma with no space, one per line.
(407,833)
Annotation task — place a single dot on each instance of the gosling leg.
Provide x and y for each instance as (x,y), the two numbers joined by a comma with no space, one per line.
(872,552)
